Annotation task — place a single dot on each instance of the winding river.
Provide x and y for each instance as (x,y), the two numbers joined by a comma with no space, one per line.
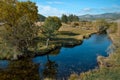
(62,62)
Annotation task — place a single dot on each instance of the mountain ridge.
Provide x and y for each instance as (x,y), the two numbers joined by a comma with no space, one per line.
(106,16)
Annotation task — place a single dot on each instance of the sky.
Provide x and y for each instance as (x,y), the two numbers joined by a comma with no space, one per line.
(77,7)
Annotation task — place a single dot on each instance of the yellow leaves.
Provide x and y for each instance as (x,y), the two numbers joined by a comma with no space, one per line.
(18,18)
(27,9)
(10,13)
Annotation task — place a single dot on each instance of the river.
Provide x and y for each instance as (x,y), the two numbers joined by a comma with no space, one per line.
(62,62)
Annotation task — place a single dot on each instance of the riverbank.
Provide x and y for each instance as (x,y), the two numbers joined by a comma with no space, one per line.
(67,36)
(61,40)
(109,67)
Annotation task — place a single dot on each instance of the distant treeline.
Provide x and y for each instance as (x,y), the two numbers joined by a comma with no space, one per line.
(64,18)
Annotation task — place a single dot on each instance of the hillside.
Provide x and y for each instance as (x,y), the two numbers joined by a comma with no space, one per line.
(41,17)
(107,16)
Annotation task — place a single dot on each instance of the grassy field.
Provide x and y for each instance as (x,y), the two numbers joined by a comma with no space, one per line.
(81,31)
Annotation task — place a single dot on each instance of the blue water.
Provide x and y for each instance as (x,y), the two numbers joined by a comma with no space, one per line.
(77,59)
(4,64)
(62,62)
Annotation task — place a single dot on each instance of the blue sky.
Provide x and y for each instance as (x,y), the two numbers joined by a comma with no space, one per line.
(77,7)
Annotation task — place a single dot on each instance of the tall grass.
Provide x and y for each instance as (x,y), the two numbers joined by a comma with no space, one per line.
(109,67)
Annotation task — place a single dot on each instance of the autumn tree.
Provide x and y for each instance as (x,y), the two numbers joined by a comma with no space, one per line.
(51,25)
(18,18)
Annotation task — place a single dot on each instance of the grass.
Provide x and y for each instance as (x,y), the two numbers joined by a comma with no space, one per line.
(67,35)
(109,67)
(79,31)
(105,72)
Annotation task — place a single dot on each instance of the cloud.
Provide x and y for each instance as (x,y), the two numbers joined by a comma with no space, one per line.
(49,11)
(87,9)
(113,8)
(55,2)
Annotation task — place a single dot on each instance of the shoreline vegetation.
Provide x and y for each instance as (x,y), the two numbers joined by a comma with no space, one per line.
(109,67)
(67,36)
(21,38)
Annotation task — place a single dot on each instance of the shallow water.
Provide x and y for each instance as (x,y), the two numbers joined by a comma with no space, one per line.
(62,62)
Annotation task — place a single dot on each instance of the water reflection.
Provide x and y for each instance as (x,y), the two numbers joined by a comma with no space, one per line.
(3,64)
(50,69)
(58,64)
(20,70)
(100,38)
(73,60)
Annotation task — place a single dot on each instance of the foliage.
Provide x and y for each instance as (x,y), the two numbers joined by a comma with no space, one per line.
(51,25)
(72,18)
(7,51)
(18,17)
(64,18)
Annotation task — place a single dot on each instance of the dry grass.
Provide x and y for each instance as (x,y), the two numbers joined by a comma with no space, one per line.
(77,30)
(109,67)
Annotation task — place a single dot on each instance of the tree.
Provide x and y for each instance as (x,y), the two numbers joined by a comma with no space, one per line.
(75,18)
(64,18)
(51,25)
(72,18)
(19,18)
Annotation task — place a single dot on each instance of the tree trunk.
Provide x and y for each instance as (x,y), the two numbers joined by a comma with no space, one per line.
(47,42)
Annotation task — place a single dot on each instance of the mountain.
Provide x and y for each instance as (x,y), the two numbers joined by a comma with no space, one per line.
(41,17)
(106,16)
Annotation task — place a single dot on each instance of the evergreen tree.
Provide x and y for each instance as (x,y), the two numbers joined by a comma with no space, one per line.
(64,18)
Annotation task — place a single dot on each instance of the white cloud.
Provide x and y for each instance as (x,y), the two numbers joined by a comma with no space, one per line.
(55,2)
(49,11)
(87,9)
